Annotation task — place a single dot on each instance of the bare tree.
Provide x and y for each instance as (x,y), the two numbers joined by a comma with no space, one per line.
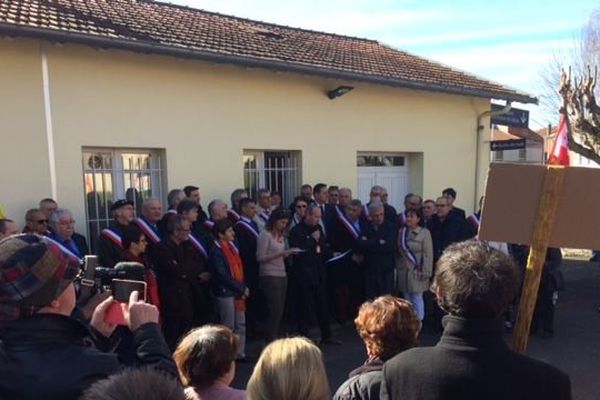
(577,89)
(578,94)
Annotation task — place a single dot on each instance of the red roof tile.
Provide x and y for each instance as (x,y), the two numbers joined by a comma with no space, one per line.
(150,26)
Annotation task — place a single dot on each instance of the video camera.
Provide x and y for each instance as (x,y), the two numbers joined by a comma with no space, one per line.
(98,279)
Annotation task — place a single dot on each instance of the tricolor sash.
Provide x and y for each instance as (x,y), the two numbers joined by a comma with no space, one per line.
(347,224)
(339,256)
(404,232)
(199,246)
(264,216)
(233,215)
(148,230)
(248,227)
(366,212)
(112,236)
(65,250)
(208,224)
(402,218)
(474,219)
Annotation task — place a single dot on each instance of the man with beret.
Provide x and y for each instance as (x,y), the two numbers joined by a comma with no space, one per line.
(46,354)
(110,245)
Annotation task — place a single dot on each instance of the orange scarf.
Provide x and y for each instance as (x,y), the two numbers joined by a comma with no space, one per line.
(237,270)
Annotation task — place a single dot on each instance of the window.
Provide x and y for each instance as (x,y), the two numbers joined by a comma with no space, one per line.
(275,170)
(112,174)
(380,160)
(499,155)
(522,154)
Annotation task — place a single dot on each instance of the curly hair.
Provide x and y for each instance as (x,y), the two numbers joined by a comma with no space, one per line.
(473,280)
(388,325)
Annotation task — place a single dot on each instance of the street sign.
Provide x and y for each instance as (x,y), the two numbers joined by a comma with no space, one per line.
(511,144)
(515,117)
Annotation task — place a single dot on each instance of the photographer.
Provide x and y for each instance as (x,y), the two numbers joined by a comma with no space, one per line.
(44,352)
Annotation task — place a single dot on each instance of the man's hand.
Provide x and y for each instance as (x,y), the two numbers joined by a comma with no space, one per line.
(316,235)
(105,328)
(140,312)
(90,306)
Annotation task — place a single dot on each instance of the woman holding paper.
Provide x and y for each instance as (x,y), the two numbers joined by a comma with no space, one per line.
(416,265)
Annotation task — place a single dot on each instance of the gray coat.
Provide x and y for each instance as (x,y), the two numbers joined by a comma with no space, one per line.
(364,383)
(409,279)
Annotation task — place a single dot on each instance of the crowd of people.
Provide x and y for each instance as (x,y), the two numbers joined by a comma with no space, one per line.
(215,279)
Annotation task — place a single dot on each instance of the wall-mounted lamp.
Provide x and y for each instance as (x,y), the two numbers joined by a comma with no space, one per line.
(339,91)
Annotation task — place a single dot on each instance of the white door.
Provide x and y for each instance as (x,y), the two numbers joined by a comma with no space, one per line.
(394,178)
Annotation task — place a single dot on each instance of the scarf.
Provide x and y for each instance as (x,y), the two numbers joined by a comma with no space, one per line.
(236,268)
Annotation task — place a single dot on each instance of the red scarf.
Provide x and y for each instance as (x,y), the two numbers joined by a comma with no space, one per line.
(237,270)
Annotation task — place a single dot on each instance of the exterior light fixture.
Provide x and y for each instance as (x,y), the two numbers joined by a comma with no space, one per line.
(339,91)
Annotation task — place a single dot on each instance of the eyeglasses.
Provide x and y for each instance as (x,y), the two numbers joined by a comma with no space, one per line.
(441,205)
(67,223)
(42,221)
(301,206)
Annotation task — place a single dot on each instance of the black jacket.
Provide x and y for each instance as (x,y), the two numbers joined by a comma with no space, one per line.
(246,241)
(50,356)
(471,361)
(309,264)
(453,229)
(177,271)
(363,383)
(379,247)
(109,253)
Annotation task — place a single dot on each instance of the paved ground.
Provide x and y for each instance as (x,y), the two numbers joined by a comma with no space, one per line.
(575,347)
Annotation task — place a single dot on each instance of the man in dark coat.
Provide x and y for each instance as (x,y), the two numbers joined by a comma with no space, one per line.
(307,273)
(246,234)
(450,195)
(379,245)
(182,274)
(474,284)
(110,247)
(46,354)
(446,227)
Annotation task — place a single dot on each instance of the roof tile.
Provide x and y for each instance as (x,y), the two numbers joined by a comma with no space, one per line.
(152,22)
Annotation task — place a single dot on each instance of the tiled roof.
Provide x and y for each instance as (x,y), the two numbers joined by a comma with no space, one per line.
(516,133)
(162,28)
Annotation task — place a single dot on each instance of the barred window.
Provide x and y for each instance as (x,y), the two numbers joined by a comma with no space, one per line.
(110,174)
(274,170)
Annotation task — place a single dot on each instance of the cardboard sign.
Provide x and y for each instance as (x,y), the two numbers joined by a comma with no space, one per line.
(512,199)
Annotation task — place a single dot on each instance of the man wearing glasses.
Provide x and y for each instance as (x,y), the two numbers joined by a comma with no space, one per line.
(36,222)
(63,231)
(446,227)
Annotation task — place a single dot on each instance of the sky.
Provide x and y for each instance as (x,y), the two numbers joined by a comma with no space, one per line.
(509,42)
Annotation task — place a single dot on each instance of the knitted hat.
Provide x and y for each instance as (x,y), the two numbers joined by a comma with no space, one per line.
(34,270)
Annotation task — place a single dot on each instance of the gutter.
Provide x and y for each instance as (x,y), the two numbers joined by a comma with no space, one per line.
(250,62)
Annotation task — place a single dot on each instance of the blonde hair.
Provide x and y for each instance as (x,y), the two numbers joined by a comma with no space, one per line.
(289,369)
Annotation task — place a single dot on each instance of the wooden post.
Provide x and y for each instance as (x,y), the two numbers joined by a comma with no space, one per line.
(553,181)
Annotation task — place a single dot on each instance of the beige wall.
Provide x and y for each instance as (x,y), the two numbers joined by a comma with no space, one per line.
(204,115)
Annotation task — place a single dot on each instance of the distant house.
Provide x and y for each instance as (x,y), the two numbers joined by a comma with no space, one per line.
(106,99)
(531,149)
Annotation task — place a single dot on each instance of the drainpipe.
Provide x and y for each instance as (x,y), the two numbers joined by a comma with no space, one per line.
(480,128)
(48,118)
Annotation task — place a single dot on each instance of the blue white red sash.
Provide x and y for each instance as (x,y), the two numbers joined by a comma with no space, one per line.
(65,250)
(112,236)
(404,232)
(475,221)
(350,227)
(366,212)
(264,216)
(148,230)
(248,227)
(208,224)
(402,218)
(199,246)
(339,256)
(233,215)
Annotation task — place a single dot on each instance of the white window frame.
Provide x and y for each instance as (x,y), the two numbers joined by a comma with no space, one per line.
(291,169)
